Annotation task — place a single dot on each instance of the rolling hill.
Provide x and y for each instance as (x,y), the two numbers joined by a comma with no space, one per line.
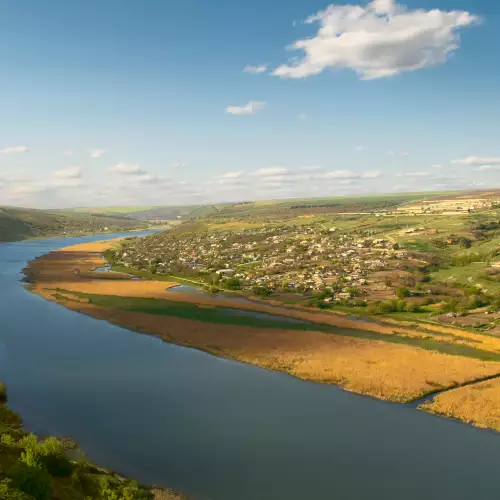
(22,223)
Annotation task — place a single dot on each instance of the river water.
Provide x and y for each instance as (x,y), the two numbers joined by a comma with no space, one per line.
(216,429)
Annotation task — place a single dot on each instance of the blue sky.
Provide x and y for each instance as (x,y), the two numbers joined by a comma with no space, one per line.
(133,102)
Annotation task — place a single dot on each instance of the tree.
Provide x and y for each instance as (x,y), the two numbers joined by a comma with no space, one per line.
(412,307)
(402,292)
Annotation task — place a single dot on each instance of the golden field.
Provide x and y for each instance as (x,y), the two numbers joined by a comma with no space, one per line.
(477,404)
(389,371)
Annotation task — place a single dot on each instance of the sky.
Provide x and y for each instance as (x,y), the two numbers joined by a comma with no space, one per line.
(165,102)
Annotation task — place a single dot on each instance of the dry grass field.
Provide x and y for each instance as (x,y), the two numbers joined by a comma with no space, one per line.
(477,404)
(386,370)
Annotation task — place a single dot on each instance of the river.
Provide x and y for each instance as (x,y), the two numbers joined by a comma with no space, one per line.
(217,429)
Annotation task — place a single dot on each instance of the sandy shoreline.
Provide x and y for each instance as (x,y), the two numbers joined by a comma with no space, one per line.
(389,371)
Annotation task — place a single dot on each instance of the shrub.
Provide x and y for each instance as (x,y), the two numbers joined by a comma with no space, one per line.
(412,307)
(402,292)
(401,305)
(7,493)
(3,393)
(261,291)
(33,481)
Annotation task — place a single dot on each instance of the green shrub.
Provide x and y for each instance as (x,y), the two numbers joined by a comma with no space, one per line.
(412,307)
(3,392)
(33,481)
(402,292)
(401,305)
(7,493)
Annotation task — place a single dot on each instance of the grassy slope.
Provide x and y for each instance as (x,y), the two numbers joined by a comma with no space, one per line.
(21,223)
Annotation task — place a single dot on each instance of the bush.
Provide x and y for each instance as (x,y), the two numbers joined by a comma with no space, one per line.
(3,393)
(261,291)
(48,454)
(412,307)
(402,292)
(7,493)
(33,481)
(401,305)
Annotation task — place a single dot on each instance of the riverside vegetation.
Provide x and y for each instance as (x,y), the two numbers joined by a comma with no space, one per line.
(36,469)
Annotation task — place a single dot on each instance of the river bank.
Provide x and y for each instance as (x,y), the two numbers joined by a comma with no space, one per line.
(31,467)
(383,360)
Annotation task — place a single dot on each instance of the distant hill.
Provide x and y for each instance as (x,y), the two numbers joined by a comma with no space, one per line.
(22,223)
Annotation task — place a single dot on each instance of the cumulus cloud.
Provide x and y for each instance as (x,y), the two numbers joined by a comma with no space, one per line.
(127,169)
(250,108)
(398,154)
(311,168)
(478,160)
(98,153)
(10,150)
(29,189)
(340,174)
(255,69)
(270,171)
(484,168)
(68,173)
(178,164)
(372,174)
(379,40)
(231,175)
(416,175)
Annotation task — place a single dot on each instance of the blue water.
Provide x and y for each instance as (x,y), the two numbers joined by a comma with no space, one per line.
(218,429)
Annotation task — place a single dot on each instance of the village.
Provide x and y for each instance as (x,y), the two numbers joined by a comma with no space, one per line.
(299,260)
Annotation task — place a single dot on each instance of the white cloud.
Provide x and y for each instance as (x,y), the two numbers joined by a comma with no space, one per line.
(416,175)
(255,69)
(231,175)
(372,174)
(98,153)
(14,150)
(68,173)
(67,153)
(381,39)
(398,154)
(484,168)
(311,168)
(128,169)
(303,116)
(178,164)
(64,182)
(250,108)
(270,171)
(358,149)
(437,166)
(29,189)
(340,174)
(478,160)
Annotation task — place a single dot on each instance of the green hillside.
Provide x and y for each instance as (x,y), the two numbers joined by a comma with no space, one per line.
(22,223)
